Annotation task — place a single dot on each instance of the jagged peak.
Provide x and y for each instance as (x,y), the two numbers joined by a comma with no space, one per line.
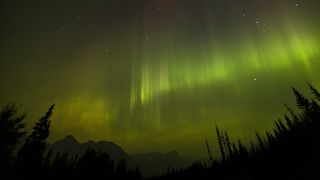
(70,138)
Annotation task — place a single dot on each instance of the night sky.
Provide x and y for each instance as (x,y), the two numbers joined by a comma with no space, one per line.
(157,75)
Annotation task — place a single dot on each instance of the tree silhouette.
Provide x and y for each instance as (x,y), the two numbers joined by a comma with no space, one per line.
(221,145)
(210,160)
(11,132)
(314,91)
(32,162)
(302,102)
(137,173)
(30,156)
(289,151)
(228,145)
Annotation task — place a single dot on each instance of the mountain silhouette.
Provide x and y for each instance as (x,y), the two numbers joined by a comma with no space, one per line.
(151,163)
(74,148)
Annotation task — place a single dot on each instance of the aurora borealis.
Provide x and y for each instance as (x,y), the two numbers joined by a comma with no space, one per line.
(157,75)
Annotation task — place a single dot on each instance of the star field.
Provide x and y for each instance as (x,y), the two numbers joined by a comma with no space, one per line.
(158,74)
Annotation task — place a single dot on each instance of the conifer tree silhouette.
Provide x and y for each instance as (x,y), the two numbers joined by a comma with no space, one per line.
(242,150)
(290,150)
(271,139)
(228,145)
(288,121)
(30,156)
(121,168)
(209,152)
(293,115)
(11,132)
(61,164)
(221,144)
(260,141)
(314,91)
(86,163)
(302,102)
(47,159)
(137,173)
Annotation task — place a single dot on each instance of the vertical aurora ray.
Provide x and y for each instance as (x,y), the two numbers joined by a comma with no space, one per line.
(259,50)
(273,53)
(147,74)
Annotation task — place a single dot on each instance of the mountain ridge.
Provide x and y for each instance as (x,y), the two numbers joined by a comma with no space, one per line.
(150,163)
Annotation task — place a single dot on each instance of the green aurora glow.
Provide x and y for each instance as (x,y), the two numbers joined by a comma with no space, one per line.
(158,74)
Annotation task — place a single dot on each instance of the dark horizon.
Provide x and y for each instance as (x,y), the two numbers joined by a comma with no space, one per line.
(289,150)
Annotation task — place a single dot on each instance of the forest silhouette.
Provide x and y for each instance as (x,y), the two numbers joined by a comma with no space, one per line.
(289,151)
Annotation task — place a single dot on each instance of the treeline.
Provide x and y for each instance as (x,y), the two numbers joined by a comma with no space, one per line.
(33,160)
(289,151)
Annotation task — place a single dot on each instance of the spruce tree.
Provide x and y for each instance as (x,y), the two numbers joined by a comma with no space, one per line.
(31,155)
(221,145)
(302,102)
(314,91)
(209,153)
(11,132)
